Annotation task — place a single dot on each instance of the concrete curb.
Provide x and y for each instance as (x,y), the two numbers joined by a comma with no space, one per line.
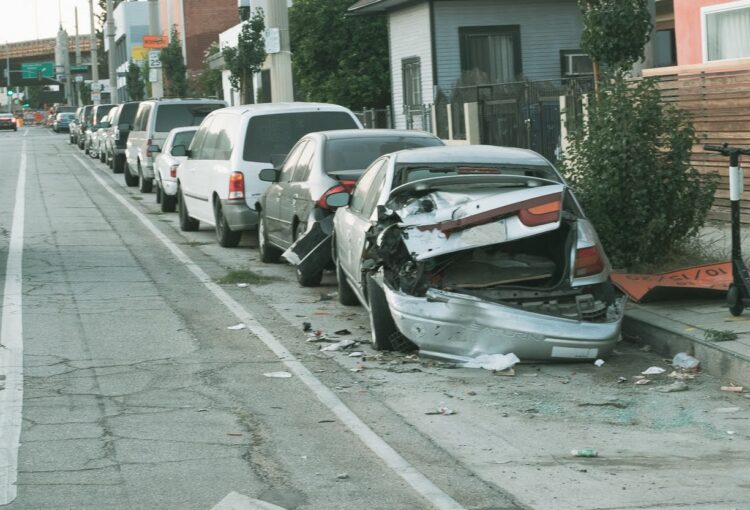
(668,337)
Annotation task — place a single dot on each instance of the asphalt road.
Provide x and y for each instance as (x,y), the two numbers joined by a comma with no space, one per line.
(134,394)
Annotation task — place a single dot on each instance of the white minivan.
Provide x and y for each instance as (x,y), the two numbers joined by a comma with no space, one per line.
(219,184)
(154,120)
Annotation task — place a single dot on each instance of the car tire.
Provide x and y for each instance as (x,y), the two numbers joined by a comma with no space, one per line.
(309,280)
(168,202)
(227,237)
(102,156)
(130,179)
(118,164)
(146,184)
(158,193)
(187,224)
(347,297)
(268,254)
(382,326)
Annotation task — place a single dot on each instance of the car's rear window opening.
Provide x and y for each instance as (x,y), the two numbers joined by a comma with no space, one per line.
(357,153)
(416,172)
(170,116)
(273,136)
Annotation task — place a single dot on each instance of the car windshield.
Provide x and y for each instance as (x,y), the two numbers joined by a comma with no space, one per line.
(273,136)
(357,153)
(410,172)
(65,116)
(183,138)
(102,112)
(170,116)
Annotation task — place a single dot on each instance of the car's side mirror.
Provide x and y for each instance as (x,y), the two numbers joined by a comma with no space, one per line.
(339,199)
(179,151)
(269,175)
(154,148)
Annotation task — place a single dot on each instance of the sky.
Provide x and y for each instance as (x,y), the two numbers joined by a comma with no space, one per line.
(24,20)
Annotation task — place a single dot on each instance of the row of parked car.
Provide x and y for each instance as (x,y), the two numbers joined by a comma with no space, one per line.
(462,251)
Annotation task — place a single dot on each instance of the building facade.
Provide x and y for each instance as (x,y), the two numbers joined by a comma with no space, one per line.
(709,31)
(131,24)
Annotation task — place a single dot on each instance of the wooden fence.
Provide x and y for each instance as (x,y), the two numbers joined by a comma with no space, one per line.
(718,97)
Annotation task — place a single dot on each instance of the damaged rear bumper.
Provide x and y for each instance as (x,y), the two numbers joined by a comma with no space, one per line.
(311,253)
(461,327)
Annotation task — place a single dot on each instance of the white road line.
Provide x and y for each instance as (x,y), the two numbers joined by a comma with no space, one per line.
(419,482)
(11,347)
(26,132)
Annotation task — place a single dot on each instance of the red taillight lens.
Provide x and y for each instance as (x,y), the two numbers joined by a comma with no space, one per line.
(173,170)
(13,120)
(148,146)
(340,188)
(588,262)
(539,214)
(236,186)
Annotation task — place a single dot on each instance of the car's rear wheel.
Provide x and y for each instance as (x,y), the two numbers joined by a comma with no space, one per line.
(158,193)
(168,202)
(347,297)
(130,179)
(306,279)
(381,320)
(268,254)
(118,164)
(146,184)
(187,224)
(102,156)
(226,236)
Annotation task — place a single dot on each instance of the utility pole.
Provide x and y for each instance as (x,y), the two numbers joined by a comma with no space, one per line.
(78,62)
(281,62)
(7,75)
(157,86)
(114,96)
(95,90)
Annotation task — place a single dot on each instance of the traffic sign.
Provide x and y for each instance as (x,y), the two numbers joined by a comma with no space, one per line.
(79,69)
(154,59)
(139,53)
(31,71)
(155,41)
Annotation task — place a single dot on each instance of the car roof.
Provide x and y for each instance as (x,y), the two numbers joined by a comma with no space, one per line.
(292,107)
(182,129)
(470,154)
(184,101)
(372,133)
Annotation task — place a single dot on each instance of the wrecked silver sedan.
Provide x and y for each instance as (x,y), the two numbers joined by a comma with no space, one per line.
(474,250)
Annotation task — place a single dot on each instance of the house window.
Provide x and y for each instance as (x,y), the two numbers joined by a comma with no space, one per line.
(575,63)
(412,76)
(726,31)
(492,51)
(665,49)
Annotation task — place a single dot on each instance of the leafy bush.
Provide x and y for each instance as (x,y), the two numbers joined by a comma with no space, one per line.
(631,168)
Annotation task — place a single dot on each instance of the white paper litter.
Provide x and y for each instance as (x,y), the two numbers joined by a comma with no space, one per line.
(339,345)
(493,361)
(357,354)
(242,285)
(237,327)
(653,371)
(599,362)
(278,375)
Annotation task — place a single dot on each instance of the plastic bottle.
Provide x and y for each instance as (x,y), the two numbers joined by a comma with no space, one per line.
(584,452)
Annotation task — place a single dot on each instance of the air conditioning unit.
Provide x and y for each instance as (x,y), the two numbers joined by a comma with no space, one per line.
(576,64)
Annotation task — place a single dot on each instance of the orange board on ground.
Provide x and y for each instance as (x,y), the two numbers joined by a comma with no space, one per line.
(642,287)
(155,41)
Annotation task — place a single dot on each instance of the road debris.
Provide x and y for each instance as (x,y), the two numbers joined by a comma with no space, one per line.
(338,346)
(237,327)
(306,326)
(680,376)
(675,386)
(599,362)
(715,335)
(653,371)
(343,476)
(356,354)
(278,375)
(584,452)
(732,388)
(622,379)
(496,362)
(442,410)
(642,381)
(234,434)
(242,285)
(318,336)
(686,361)
(342,332)
(613,403)
(726,410)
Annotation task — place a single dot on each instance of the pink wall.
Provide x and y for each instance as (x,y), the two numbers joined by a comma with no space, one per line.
(687,20)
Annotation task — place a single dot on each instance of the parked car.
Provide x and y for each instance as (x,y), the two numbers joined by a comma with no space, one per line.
(117,136)
(85,122)
(98,113)
(62,122)
(8,121)
(474,250)
(165,166)
(99,137)
(219,183)
(293,212)
(153,122)
(74,126)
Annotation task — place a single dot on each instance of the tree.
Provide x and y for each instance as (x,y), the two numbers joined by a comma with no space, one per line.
(134,82)
(208,82)
(174,68)
(247,58)
(615,33)
(630,165)
(337,58)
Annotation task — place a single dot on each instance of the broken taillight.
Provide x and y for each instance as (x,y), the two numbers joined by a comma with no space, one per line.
(540,213)
(589,261)
(343,187)
(236,186)
(173,170)
(148,148)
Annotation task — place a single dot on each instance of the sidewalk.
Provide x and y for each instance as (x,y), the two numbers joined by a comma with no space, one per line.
(670,327)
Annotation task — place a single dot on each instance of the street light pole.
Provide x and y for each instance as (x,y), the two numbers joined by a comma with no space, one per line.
(157,87)
(7,76)
(94,57)
(114,99)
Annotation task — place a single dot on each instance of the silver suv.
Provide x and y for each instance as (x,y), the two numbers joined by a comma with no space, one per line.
(153,122)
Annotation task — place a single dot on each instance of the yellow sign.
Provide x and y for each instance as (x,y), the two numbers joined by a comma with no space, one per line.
(139,53)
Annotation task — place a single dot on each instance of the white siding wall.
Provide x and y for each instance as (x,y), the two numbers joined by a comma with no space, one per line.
(547,26)
(409,36)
